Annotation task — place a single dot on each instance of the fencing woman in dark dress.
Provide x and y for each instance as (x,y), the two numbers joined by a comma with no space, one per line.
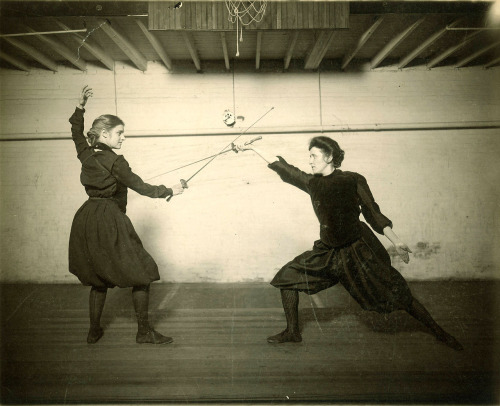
(104,249)
(347,252)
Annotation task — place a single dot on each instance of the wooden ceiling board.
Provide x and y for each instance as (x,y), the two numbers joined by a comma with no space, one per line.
(208,45)
(274,44)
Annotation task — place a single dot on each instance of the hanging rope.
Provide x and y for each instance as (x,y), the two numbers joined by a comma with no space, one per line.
(245,13)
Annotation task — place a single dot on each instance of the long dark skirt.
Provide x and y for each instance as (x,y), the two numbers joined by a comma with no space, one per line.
(105,250)
(363,268)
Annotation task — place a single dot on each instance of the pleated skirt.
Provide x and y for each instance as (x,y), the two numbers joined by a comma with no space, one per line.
(105,250)
(363,268)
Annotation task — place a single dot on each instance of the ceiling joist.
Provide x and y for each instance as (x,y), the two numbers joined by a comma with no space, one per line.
(90,46)
(258,50)
(426,44)
(34,53)
(60,48)
(224,49)
(158,47)
(365,37)
(318,51)
(476,54)
(290,48)
(17,62)
(125,45)
(493,62)
(443,55)
(377,60)
(188,39)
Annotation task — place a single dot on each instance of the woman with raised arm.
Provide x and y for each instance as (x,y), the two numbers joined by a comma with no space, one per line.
(347,251)
(104,249)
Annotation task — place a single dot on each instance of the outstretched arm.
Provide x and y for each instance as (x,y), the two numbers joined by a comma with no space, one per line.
(123,173)
(287,173)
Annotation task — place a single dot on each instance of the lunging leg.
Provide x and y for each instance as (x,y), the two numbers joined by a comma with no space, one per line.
(97,298)
(145,333)
(418,311)
(290,300)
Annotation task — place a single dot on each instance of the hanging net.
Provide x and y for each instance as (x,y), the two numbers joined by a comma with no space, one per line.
(245,13)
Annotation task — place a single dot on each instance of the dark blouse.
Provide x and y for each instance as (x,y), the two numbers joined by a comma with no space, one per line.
(106,174)
(338,199)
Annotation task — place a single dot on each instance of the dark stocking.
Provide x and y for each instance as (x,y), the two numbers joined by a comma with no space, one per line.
(145,333)
(97,298)
(290,300)
(418,311)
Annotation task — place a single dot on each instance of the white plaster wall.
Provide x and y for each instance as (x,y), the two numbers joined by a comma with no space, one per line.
(238,221)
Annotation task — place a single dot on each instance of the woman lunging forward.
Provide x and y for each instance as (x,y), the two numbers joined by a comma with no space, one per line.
(347,251)
(104,249)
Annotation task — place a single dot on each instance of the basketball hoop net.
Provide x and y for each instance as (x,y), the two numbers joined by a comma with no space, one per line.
(245,13)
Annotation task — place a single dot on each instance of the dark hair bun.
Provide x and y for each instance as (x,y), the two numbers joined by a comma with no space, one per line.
(329,147)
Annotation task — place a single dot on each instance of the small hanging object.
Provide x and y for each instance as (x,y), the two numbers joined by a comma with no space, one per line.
(228,118)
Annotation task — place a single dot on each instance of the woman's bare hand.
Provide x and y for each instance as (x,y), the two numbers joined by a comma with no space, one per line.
(84,95)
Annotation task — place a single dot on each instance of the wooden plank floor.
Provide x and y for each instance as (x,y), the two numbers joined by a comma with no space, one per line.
(220,353)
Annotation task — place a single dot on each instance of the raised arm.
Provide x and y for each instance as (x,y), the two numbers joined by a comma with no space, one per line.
(77,125)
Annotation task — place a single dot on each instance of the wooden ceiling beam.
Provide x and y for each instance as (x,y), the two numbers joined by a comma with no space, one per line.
(156,44)
(34,53)
(318,51)
(224,49)
(91,47)
(188,39)
(291,46)
(361,42)
(377,60)
(426,44)
(494,62)
(476,54)
(17,62)
(124,44)
(258,50)
(443,55)
(60,48)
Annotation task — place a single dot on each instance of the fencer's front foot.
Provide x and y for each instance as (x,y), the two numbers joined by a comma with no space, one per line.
(285,337)
(94,335)
(152,337)
(451,342)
